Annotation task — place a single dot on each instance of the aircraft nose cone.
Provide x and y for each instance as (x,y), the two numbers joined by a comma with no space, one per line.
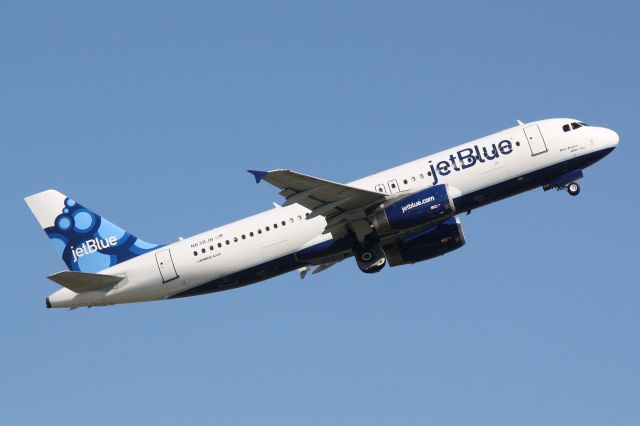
(611,138)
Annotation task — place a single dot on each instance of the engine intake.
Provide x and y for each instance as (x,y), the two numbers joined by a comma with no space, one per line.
(435,241)
(429,206)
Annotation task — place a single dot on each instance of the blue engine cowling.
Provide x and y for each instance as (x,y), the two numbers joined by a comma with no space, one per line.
(429,206)
(432,242)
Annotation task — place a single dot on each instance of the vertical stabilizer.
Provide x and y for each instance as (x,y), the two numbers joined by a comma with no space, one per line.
(86,241)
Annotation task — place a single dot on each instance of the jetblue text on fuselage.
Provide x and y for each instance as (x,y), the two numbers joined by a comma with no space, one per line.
(469,157)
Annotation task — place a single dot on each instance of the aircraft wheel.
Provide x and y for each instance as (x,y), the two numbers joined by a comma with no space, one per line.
(573,189)
(366,255)
(370,259)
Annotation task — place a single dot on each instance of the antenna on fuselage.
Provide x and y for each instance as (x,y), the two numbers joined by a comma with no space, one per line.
(520,123)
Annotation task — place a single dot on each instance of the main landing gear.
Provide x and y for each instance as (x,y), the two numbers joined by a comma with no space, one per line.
(370,258)
(573,189)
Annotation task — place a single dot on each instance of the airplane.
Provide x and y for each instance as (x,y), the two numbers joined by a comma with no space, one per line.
(403,215)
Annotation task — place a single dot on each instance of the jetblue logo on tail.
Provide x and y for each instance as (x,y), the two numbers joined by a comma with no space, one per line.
(92,246)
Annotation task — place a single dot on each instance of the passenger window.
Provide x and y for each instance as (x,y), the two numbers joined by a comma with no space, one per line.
(291,220)
(195,253)
(244,236)
(405,181)
(421,176)
(566,128)
(413,178)
(227,242)
(284,222)
(259,231)
(575,126)
(266,228)
(204,251)
(219,245)
(275,226)
(299,217)
(251,234)
(211,248)
(235,239)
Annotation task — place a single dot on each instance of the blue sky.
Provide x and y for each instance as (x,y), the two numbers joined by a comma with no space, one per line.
(150,113)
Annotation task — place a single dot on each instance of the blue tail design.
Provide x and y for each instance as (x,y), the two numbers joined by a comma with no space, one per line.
(86,241)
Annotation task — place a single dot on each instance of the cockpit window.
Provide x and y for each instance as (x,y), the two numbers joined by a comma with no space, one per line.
(566,128)
(575,126)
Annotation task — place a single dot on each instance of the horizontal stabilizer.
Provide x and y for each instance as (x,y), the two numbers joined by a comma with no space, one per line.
(82,281)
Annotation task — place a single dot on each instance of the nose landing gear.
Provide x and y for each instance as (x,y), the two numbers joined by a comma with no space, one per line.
(573,189)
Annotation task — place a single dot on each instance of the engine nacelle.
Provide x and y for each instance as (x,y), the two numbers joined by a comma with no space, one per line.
(435,241)
(429,206)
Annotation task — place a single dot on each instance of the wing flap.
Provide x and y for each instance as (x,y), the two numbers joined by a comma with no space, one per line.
(80,282)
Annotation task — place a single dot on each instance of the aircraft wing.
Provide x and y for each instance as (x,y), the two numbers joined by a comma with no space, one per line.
(341,205)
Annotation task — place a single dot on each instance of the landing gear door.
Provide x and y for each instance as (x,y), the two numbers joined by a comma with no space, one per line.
(165,265)
(535,139)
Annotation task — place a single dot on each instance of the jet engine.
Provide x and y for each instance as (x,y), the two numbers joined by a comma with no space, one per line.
(432,242)
(429,206)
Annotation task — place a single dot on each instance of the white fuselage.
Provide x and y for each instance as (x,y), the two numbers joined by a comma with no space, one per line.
(282,231)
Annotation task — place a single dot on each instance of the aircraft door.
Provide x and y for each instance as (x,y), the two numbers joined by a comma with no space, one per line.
(165,265)
(535,139)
